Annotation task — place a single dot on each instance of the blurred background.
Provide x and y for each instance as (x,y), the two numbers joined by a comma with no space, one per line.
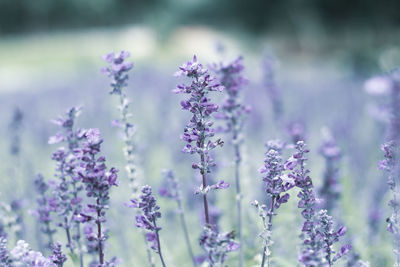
(320,53)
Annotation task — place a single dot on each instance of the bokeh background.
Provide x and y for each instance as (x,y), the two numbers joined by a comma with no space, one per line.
(323,51)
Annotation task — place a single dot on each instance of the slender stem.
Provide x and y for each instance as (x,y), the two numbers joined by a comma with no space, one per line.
(185,232)
(263,258)
(159,244)
(78,237)
(204,177)
(269,227)
(68,233)
(149,257)
(99,236)
(238,199)
(78,228)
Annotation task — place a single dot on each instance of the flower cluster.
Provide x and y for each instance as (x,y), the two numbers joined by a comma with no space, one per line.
(311,255)
(328,237)
(330,190)
(317,233)
(117,70)
(22,255)
(68,186)
(5,260)
(277,183)
(58,257)
(389,164)
(199,129)
(147,219)
(46,205)
(217,245)
(98,182)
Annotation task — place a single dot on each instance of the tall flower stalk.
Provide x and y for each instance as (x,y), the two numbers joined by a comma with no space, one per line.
(277,183)
(198,135)
(69,185)
(147,218)
(391,153)
(233,112)
(172,190)
(199,130)
(117,70)
(98,182)
(317,229)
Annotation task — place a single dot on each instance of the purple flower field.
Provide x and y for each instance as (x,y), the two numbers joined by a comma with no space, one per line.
(175,152)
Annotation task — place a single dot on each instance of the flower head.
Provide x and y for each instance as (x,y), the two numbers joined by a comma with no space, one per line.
(117,70)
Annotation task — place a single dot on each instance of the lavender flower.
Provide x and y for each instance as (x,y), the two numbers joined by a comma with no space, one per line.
(230,76)
(199,130)
(330,190)
(69,185)
(98,182)
(58,258)
(314,245)
(217,245)
(118,71)
(46,205)
(328,236)
(390,165)
(147,220)
(277,183)
(311,255)
(22,255)
(5,260)
(172,190)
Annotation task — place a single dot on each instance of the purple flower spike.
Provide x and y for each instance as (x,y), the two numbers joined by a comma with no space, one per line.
(117,69)
(317,231)
(277,184)
(217,245)
(58,258)
(98,182)
(198,132)
(147,218)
